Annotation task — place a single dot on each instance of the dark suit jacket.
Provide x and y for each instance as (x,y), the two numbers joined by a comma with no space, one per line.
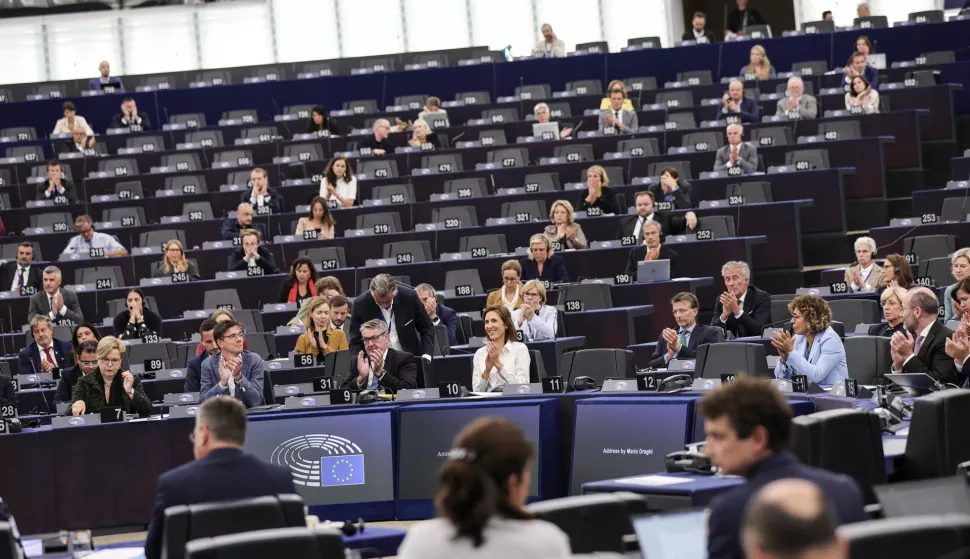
(400,372)
(727,509)
(237,264)
(885,330)
(39,304)
(8,272)
(736,19)
(554,270)
(748,109)
(7,394)
(145,124)
(70,191)
(638,253)
(606,202)
(932,358)
(449,318)
(681,196)
(275,201)
(65,386)
(702,334)
(411,321)
(756,315)
(231,228)
(225,474)
(669,225)
(63,353)
(193,373)
(689,35)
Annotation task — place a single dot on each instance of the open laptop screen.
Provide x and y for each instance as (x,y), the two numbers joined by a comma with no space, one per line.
(672,536)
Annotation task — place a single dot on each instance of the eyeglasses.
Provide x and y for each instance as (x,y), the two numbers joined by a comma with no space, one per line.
(234,337)
(110,361)
(373,339)
(530,294)
(510,279)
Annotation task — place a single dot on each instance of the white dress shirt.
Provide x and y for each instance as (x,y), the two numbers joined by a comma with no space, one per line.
(515,361)
(510,304)
(864,274)
(542,325)
(394,340)
(43,356)
(77,243)
(58,190)
(372,379)
(740,306)
(344,189)
(15,285)
(50,303)
(925,332)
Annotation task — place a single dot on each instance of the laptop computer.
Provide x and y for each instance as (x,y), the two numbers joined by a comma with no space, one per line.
(541,130)
(681,535)
(932,496)
(877,61)
(653,271)
(917,383)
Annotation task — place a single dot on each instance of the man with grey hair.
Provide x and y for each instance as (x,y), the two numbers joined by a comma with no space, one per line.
(408,325)
(220,472)
(862,10)
(437,312)
(926,351)
(743,309)
(737,154)
(796,103)
(377,144)
(379,366)
(88,240)
(791,519)
(59,305)
(45,354)
(542,114)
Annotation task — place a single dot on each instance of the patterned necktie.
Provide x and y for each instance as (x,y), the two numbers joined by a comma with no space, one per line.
(20,278)
(682,338)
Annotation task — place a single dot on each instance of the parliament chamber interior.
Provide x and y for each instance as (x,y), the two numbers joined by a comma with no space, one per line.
(598,255)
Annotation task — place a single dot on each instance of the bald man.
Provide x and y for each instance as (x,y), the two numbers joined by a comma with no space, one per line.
(791,519)
(377,144)
(243,219)
(737,154)
(106,82)
(735,103)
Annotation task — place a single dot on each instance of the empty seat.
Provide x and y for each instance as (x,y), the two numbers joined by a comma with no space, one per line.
(645,83)
(386,222)
(329,258)
(721,226)
(125,217)
(934,447)
(937,58)
(593,296)
(443,163)
(281,542)
(19,134)
(361,106)
(696,77)
(395,193)
(585,87)
(467,188)
(851,312)
(939,270)
(189,120)
(675,99)
(268,73)
(206,138)
(94,274)
(157,238)
(215,77)
(304,152)
(560,110)
(156,82)
(930,246)
(810,68)
(525,210)
(260,134)
(182,162)
(533,92)
(574,152)
(455,278)
(600,364)
(680,121)
(596,522)
(771,136)
(474,97)
(378,169)
(28,154)
(639,147)
(644,43)
(867,357)
(498,116)
(757,192)
(57,222)
(941,536)
(49,91)
(408,252)
(928,16)
(595,47)
(703,141)
(379,64)
(6,95)
(955,209)
(466,216)
(245,116)
(492,137)
(233,158)
(412,102)
(541,182)
(493,244)
(436,121)
(871,22)
(197,211)
(222,298)
(5,177)
(319,68)
(508,157)
(840,130)
(805,159)
(146,143)
(299,111)
(186,184)
(119,167)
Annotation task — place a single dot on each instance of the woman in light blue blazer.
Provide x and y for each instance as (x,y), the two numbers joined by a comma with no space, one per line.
(535,319)
(815,351)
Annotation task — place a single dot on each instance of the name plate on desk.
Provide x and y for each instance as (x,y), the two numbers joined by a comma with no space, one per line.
(620,385)
(418,394)
(522,389)
(59,422)
(704,384)
(183,411)
(298,389)
(300,402)
(155,281)
(34,379)
(181,398)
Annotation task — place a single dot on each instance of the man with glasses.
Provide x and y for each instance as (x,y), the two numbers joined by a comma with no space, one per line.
(408,326)
(87,239)
(379,366)
(378,143)
(683,342)
(221,470)
(87,362)
(233,372)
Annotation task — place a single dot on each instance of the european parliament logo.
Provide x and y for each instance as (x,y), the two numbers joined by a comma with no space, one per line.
(321,460)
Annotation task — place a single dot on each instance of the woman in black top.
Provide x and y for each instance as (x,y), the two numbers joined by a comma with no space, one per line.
(598,193)
(108,386)
(137,321)
(892,308)
(84,332)
(299,285)
(421,134)
(321,123)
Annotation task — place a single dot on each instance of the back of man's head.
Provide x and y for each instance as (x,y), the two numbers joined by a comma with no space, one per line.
(791,519)
(225,418)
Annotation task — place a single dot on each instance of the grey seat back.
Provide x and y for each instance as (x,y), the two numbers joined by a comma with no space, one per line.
(771,136)
(469,277)
(260,134)
(29,154)
(585,87)
(319,68)
(198,211)
(299,111)
(158,237)
(215,77)
(541,182)
(233,158)
(639,147)
(696,77)
(154,142)
(955,209)
(810,68)
(500,116)
(867,357)
(927,16)
(595,47)
(508,157)
(929,246)
(574,152)
(268,73)
(467,188)
(395,193)
(219,298)
(675,99)
(391,219)
(378,169)
(942,535)
(492,137)
(206,138)
(19,133)
(58,222)
(93,274)
(304,152)
(119,166)
(533,92)
(474,97)
(419,251)
(851,312)
(189,120)
(639,84)
(493,244)
(442,163)
(135,216)
(703,141)
(412,102)
(939,270)
(593,296)
(721,226)
(245,116)
(466,215)
(330,258)
(756,192)
(600,364)
(361,106)
(186,184)
(182,162)
(644,43)
(525,210)
(840,130)
(805,159)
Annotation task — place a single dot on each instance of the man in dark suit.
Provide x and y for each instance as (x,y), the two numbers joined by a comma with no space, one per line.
(438,313)
(45,354)
(87,362)
(632,226)
(58,305)
(130,117)
(14,275)
(672,189)
(735,103)
(231,226)
(193,369)
(698,31)
(924,351)
(378,366)
(748,426)
(409,328)
(737,154)
(787,507)
(220,472)
(683,342)
(56,188)
(651,249)
(743,310)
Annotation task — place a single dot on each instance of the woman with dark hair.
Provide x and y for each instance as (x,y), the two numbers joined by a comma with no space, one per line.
(339,183)
(816,350)
(864,45)
(84,332)
(896,272)
(321,123)
(137,321)
(502,360)
(299,285)
(483,487)
(319,218)
(861,95)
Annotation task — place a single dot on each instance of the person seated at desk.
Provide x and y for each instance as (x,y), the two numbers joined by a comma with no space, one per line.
(816,351)
(564,230)
(535,319)
(796,103)
(421,134)
(859,66)
(960,268)
(87,239)
(320,122)
(615,119)
(550,46)
(924,352)
(741,18)
(108,386)
(698,30)
(85,332)
(502,360)
(864,45)
(137,321)
(193,369)
(56,188)
(234,372)
(510,295)
(758,67)
(377,144)
(221,470)
(71,121)
(743,309)
(483,487)
(792,518)
(105,81)
(748,429)
(896,272)
(683,342)
(175,263)
(251,256)
(958,346)
(320,337)
(632,226)
(299,285)
(80,142)
(861,95)
(866,275)
(734,102)
(378,366)
(542,263)
(21,273)
(541,112)
(330,286)
(261,197)
(616,85)
(231,226)
(437,312)
(87,362)
(651,249)
(891,300)
(432,106)
(339,312)
(339,185)
(672,189)
(59,305)
(46,354)
(599,195)
(318,218)
(737,153)
(219,315)
(130,118)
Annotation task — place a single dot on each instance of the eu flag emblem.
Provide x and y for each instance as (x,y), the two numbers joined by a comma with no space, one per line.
(342,470)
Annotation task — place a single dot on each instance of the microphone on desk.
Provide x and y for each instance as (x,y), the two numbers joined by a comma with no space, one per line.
(43,397)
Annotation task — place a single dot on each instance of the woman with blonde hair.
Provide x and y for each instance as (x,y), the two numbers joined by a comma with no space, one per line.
(563,229)
(421,134)
(175,262)
(616,85)
(599,195)
(109,386)
(319,338)
(543,264)
(758,67)
(892,308)
(535,319)
(960,262)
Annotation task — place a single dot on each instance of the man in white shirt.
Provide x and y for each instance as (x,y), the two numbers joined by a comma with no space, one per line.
(378,366)
(646,211)
(60,306)
(88,239)
(19,274)
(926,351)
(550,46)
(409,327)
(736,154)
